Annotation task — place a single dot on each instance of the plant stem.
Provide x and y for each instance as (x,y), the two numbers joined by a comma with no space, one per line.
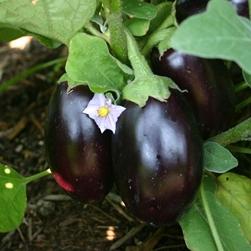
(243,104)
(241,132)
(151,41)
(28,72)
(38,176)
(211,222)
(239,149)
(241,86)
(89,27)
(114,19)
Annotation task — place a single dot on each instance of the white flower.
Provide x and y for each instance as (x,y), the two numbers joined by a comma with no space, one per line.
(104,113)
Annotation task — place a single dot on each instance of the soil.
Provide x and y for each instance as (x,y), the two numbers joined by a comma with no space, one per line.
(53,221)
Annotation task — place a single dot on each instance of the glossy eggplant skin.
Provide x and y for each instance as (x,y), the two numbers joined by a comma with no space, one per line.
(208,84)
(186,8)
(79,155)
(157,159)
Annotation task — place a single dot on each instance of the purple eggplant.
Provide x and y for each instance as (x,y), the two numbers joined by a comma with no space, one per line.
(79,155)
(157,159)
(208,84)
(186,8)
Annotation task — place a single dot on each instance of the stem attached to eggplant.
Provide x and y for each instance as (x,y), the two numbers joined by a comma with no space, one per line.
(113,11)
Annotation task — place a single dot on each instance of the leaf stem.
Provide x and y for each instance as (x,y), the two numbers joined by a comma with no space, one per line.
(241,132)
(113,10)
(37,176)
(89,27)
(210,220)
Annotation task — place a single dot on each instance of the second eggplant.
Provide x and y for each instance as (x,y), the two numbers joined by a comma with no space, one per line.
(208,84)
(157,157)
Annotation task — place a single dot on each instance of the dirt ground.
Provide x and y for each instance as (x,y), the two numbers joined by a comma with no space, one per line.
(53,221)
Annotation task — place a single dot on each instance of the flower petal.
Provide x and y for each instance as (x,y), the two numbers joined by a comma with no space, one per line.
(106,122)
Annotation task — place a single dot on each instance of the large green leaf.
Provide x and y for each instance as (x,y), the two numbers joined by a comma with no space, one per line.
(234,191)
(55,19)
(12,198)
(217,158)
(217,33)
(209,226)
(90,61)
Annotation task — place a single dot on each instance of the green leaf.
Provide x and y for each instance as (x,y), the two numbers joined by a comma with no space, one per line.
(209,226)
(139,9)
(145,83)
(247,78)
(165,43)
(217,158)
(234,192)
(55,19)
(90,61)
(138,27)
(12,198)
(163,11)
(223,35)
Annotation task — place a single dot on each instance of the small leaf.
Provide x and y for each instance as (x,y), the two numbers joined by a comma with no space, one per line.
(57,19)
(223,34)
(217,158)
(145,83)
(209,226)
(12,198)
(234,193)
(138,27)
(247,78)
(90,61)
(139,9)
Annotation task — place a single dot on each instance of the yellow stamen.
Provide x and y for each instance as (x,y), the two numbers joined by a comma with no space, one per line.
(103,111)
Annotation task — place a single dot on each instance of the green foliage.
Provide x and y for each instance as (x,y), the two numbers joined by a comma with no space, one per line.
(234,192)
(209,226)
(138,27)
(217,158)
(139,9)
(56,19)
(145,83)
(90,62)
(12,198)
(223,35)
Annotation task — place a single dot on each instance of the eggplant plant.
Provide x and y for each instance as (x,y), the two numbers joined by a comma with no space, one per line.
(146,102)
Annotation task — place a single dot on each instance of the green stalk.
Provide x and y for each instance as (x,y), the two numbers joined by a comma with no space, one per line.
(37,176)
(113,11)
(168,23)
(243,104)
(241,132)
(89,27)
(28,72)
(211,222)
(239,149)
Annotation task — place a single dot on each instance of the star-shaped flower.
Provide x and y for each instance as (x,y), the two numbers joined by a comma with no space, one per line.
(103,112)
